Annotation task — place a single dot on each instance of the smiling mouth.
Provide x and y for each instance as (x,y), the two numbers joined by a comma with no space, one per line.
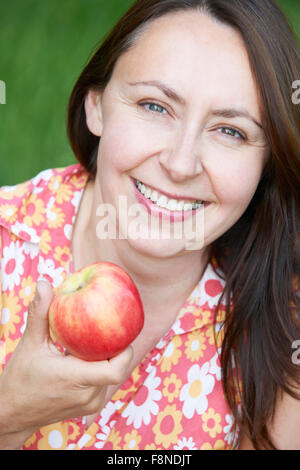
(163,201)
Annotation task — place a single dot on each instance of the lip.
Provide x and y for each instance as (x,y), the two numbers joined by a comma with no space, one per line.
(163,213)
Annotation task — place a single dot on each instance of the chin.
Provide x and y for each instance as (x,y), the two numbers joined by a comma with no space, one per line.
(158,248)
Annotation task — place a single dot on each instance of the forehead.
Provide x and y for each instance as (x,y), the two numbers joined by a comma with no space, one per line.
(194,53)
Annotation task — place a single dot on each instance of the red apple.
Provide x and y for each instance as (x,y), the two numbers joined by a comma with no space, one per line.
(96,312)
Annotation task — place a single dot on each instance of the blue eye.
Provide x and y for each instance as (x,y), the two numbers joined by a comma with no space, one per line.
(155,108)
(231,132)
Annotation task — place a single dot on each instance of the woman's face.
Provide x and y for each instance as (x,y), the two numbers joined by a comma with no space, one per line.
(180,115)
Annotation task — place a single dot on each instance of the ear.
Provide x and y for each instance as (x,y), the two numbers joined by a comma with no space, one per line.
(93,111)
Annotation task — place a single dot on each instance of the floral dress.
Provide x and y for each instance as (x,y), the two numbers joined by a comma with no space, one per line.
(174,398)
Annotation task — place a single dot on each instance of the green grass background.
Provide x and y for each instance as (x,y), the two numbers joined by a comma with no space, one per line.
(44,45)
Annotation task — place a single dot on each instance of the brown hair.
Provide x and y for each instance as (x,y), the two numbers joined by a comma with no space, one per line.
(259,255)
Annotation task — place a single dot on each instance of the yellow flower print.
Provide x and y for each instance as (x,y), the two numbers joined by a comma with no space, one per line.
(79,181)
(121,393)
(172,386)
(62,191)
(89,438)
(9,317)
(55,436)
(60,169)
(8,193)
(62,255)
(184,310)
(45,242)
(195,345)
(30,441)
(211,422)
(55,183)
(8,212)
(221,315)
(55,217)
(7,346)
(152,447)
(203,317)
(114,438)
(171,354)
(132,440)
(215,336)
(218,445)
(27,290)
(33,211)
(168,426)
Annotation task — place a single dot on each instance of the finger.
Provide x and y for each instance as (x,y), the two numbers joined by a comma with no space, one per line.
(110,372)
(37,328)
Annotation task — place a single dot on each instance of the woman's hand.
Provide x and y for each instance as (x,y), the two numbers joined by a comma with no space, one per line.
(40,385)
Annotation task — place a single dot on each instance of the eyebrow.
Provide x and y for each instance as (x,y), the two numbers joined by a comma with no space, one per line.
(169,92)
(233,112)
(172,94)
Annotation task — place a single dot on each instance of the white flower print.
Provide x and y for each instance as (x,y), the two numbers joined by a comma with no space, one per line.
(104,424)
(177,328)
(143,405)
(209,288)
(9,189)
(76,198)
(51,215)
(68,229)
(102,436)
(215,368)
(231,433)
(23,327)
(12,266)
(46,267)
(45,175)
(108,411)
(185,443)
(23,231)
(194,393)
(31,249)
(228,429)
(161,343)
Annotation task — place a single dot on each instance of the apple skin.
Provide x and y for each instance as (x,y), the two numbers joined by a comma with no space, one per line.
(96,312)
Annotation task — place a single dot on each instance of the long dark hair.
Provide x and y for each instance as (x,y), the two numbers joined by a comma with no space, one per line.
(259,255)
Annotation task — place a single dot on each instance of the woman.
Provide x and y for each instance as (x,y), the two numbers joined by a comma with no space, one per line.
(185,107)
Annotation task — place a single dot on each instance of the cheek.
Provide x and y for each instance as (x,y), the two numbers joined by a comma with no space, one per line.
(125,144)
(235,184)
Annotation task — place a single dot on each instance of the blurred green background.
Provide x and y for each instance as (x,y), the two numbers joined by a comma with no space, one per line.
(44,46)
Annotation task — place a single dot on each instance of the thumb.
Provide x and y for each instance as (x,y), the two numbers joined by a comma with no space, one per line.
(37,328)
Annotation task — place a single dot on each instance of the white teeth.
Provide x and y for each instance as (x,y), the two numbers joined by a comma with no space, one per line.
(172,205)
(154,196)
(147,193)
(163,201)
(188,207)
(180,205)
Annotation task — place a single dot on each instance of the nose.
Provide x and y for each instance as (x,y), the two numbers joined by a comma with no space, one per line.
(182,161)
